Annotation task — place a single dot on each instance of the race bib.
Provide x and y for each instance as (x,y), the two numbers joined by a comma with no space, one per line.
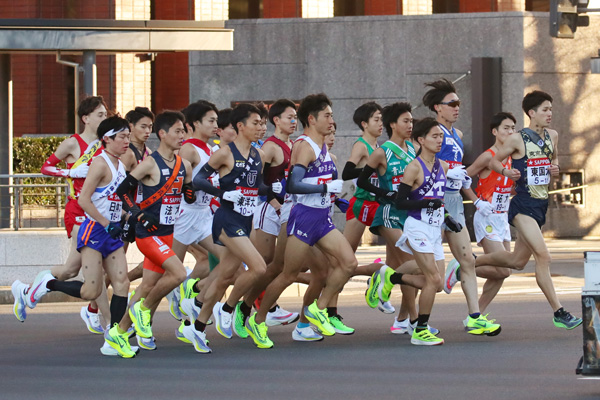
(538,171)
(115,208)
(169,209)
(501,199)
(203,198)
(247,204)
(396,181)
(325,200)
(433,217)
(451,183)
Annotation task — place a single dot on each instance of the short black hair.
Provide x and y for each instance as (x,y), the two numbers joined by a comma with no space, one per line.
(364,112)
(224,118)
(312,105)
(422,127)
(279,107)
(497,119)
(166,119)
(439,89)
(262,108)
(241,113)
(533,100)
(115,123)
(89,104)
(392,112)
(197,110)
(133,116)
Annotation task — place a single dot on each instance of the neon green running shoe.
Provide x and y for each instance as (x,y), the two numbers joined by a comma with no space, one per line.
(482,326)
(425,338)
(339,326)
(319,319)
(119,342)
(371,295)
(179,333)
(141,319)
(258,333)
(238,321)
(385,287)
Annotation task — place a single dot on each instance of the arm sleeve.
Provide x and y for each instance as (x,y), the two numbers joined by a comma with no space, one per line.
(296,186)
(49,167)
(201,181)
(264,190)
(365,183)
(126,192)
(403,203)
(350,171)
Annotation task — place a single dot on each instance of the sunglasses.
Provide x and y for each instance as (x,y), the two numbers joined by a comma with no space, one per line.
(451,103)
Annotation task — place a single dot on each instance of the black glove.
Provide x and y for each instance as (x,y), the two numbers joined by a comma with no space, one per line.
(149,223)
(452,224)
(435,204)
(189,195)
(114,230)
(128,226)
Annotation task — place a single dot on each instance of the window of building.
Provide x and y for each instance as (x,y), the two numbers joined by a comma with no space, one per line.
(446,6)
(568,189)
(244,9)
(347,8)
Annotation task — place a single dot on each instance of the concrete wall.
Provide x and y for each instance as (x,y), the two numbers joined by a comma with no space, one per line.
(388,58)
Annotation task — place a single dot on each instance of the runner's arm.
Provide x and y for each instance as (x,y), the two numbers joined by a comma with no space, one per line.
(506,150)
(92,181)
(296,186)
(554,167)
(64,150)
(411,173)
(364,182)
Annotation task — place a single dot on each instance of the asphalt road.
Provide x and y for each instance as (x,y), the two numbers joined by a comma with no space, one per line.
(52,356)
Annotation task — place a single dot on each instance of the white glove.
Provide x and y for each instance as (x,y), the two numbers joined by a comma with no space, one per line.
(233,196)
(457,173)
(483,207)
(215,180)
(276,187)
(335,186)
(466,183)
(79,172)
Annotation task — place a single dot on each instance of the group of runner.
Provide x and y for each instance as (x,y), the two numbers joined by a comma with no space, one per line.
(257,216)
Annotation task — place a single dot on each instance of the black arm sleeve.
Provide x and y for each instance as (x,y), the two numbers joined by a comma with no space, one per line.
(263,189)
(296,186)
(365,183)
(403,203)
(350,171)
(126,192)
(201,181)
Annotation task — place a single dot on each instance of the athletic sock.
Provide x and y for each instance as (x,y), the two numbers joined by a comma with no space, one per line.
(195,287)
(245,309)
(422,322)
(396,278)
(331,311)
(475,315)
(72,288)
(227,308)
(198,303)
(118,306)
(302,325)
(559,312)
(413,321)
(200,326)
(274,308)
(92,310)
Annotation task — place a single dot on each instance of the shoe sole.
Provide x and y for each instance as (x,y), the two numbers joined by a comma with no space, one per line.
(382,283)
(256,342)
(85,319)
(347,333)
(299,338)
(114,347)
(486,332)
(277,323)
(17,295)
(319,326)
(199,350)
(400,331)
(561,325)
(417,342)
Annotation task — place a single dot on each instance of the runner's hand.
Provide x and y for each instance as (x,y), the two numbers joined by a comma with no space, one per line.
(276,187)
(452,224)
(114,230)
(79,172)
(128,226)
(342,204)
(483,207)
(466,183)
(233,196)
(149,223)
(335,186)
(457,173)
(435,203)
(188,193)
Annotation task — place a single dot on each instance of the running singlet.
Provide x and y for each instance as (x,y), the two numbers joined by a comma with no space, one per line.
(279,172)
(495,188)
(397,159)
(166,209)
(534,166)
(204,152)
(87,152)
(362,193)
(318,172)
(452,152)
(433,186)
(246,176)
(105,198)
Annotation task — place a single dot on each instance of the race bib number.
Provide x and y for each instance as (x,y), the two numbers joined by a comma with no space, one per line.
(538,171)
(115,208)
(169,209)
(433,217)
(203,198)
(501,199)
(396,181)
(326,198)
(451,183)
(247,204)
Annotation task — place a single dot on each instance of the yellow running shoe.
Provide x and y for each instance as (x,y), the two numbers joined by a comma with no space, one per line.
(482,326)
(258,333)
(425,338)
(319,319)
(141,319)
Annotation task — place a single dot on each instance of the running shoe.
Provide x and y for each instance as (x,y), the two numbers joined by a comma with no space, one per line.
(400,327)
(146,343)
(339,326)
(482,326)
(190,309)
(119,342)
(452,272)
(92,321)
(307,334)
(371,295)
(186,291)
(38,288)
(239,321)
(567,320)
(197,338)
(19,292)
(386,307)
(141,319)
(173,299)
(179,333)
(281,317)
(109,351)
(411,328)
(385,287)
(425,338)
(258,333)
(222,320)
(130,331)
(319,319)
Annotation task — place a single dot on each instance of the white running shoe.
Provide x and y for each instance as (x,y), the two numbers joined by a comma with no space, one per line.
(92,321)
(19,292)
(197,338)
(386,307)
(281,317)
(307,334)
(38,289)
(222,320)
(190,309)
(451,275)
(173,299)
(400,327)
(411,328)
(109,351)
(146,344)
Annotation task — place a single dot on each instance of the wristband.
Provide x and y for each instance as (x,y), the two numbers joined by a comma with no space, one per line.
(502,172)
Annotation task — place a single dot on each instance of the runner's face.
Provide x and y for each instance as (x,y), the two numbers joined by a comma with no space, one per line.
(227,135)
(140,132)
(263,127)
(324,121)
(330,139)
(288,121)
(375,124)
(543,115)
(506,128)
(119,144)
(208,126)
(433,140)
(404,125)
(174,137)
(252,130)
(93,119)
(446,111)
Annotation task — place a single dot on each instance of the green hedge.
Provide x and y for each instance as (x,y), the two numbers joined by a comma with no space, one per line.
(29,154)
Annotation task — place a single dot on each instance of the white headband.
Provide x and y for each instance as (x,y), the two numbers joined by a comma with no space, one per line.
(112,132)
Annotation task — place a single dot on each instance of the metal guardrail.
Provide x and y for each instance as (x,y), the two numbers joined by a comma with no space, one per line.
(13,195)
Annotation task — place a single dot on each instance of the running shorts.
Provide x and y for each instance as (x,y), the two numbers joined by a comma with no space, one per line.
(309,224)
(231,223)
(494,227)
(534,208)
(74,215)
(363,210)
(422,237)
(193,225)
(156,249)
(93,235)
(453,203)
(388,216)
